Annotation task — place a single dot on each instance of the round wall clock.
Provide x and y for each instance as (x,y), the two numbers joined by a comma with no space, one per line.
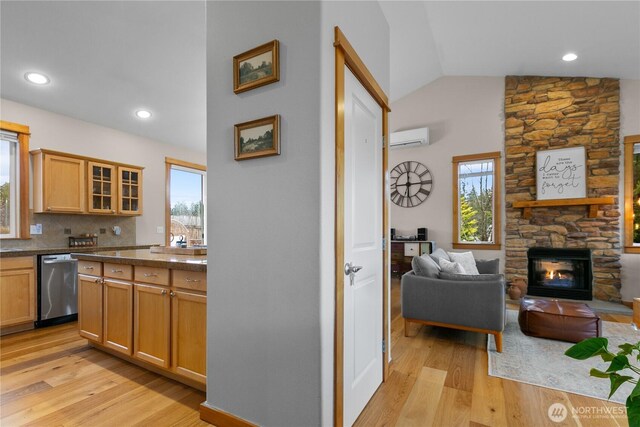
(411,184)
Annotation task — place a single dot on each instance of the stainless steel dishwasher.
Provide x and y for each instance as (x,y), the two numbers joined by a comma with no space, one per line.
(57,289)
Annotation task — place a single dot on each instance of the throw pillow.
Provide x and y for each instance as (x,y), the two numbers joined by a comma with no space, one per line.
(439,253)
(488,266)
(466,260)
(425,266)
(471,277)
(451,267)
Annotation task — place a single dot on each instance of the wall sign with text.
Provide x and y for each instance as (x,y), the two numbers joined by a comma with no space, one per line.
(561,174)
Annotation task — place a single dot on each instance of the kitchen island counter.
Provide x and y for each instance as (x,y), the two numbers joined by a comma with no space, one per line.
(144,257)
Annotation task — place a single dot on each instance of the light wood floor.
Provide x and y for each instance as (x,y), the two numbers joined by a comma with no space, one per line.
(51,377)
(438,377)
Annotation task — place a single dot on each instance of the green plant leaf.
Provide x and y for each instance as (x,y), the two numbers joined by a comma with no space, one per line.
(607,357)
(626,348)
(633,411)
(588,348)
(618,363)
(635,393)
(616,381)
(597,373)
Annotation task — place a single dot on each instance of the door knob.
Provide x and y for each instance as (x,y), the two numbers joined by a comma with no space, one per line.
(350,269)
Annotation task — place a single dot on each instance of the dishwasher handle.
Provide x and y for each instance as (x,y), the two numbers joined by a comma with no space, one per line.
(62,261)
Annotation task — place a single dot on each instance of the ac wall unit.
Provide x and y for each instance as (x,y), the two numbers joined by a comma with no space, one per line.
(409,138)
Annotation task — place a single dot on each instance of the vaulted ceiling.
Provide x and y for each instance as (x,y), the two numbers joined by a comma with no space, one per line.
(108,59)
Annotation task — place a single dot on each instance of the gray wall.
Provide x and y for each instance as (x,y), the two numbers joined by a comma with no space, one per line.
(263,327)
(271,254)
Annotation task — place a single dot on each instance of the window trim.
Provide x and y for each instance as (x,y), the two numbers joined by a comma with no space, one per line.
(23,169)
(496,157)
(629,142)
(169,162)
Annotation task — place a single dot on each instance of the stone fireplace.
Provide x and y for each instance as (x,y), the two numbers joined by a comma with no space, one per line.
(543,113)
(559,273)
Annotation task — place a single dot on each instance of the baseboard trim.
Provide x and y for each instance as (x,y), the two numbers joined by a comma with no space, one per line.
(220,418)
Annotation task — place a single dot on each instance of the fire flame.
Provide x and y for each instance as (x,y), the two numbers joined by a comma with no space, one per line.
(552,275)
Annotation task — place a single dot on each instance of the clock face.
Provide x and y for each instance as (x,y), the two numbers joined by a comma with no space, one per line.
(411,184)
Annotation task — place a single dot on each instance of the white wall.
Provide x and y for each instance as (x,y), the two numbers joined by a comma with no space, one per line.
(464,116)
(62,133)
(629,125)
(366,28)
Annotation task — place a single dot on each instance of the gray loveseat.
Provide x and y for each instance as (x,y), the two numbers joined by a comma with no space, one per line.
(475,304)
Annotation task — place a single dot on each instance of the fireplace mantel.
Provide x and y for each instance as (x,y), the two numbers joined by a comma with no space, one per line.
(592,202)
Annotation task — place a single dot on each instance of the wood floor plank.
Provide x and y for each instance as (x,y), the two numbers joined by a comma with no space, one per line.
(422,403)
(488,403)
(461,369)
(454,408)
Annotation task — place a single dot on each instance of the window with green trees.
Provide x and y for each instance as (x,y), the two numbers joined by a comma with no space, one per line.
(476,213)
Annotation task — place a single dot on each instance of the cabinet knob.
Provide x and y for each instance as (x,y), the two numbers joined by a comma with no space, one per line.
(87,267)
(190,280)
(150,274)
(172,294)
(164,292)
(117,271)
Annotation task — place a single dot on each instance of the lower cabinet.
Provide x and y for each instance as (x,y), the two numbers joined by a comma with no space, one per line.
(189,334)
(163,325)
(151,324)
(90,298)
(17,292)
(118,316)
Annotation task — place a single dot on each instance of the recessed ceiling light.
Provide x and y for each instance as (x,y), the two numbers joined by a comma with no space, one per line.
(143,114)
(570,57)
(36,78)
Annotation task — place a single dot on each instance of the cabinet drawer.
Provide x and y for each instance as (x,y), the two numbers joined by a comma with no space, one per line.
(411,249)
(118,271)
(155,275)
(194,280)
(90,267)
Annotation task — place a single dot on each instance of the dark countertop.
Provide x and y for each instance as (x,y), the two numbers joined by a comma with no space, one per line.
(47,251)
(144,257)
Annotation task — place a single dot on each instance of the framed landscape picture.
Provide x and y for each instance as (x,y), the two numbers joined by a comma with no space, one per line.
(561,174)
(257,138)
(256,67)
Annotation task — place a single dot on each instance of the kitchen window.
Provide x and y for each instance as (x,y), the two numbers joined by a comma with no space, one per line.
(186,220)
(476,201)
(14,181)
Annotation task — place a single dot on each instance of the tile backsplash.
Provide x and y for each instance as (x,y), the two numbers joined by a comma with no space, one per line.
(55,230)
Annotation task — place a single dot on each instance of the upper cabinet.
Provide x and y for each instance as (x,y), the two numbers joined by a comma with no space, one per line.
(66,183)
(101,187)
(130,188)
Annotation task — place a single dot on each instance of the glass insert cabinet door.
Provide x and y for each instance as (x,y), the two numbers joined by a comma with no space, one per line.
(130,187)
(101,187)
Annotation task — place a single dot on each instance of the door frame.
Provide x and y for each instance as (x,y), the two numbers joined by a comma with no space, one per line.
(345,55)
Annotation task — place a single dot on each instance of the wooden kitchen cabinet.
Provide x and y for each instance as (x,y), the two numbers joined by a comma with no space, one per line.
(152,324)
(59,183)
(68,183)
(130,190)
(17,292)
(189,334)
(118,316)
(101,194)
(90,299)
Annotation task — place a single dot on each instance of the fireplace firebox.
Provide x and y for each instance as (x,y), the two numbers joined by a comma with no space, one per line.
(560,273)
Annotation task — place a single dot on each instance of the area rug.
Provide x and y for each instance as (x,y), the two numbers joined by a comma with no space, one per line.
(542,362)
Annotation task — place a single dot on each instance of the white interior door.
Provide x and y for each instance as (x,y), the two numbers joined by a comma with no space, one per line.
(362,247)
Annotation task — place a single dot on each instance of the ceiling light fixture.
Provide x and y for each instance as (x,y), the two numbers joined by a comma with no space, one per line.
(143,114)
(570,57)
(36,78)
